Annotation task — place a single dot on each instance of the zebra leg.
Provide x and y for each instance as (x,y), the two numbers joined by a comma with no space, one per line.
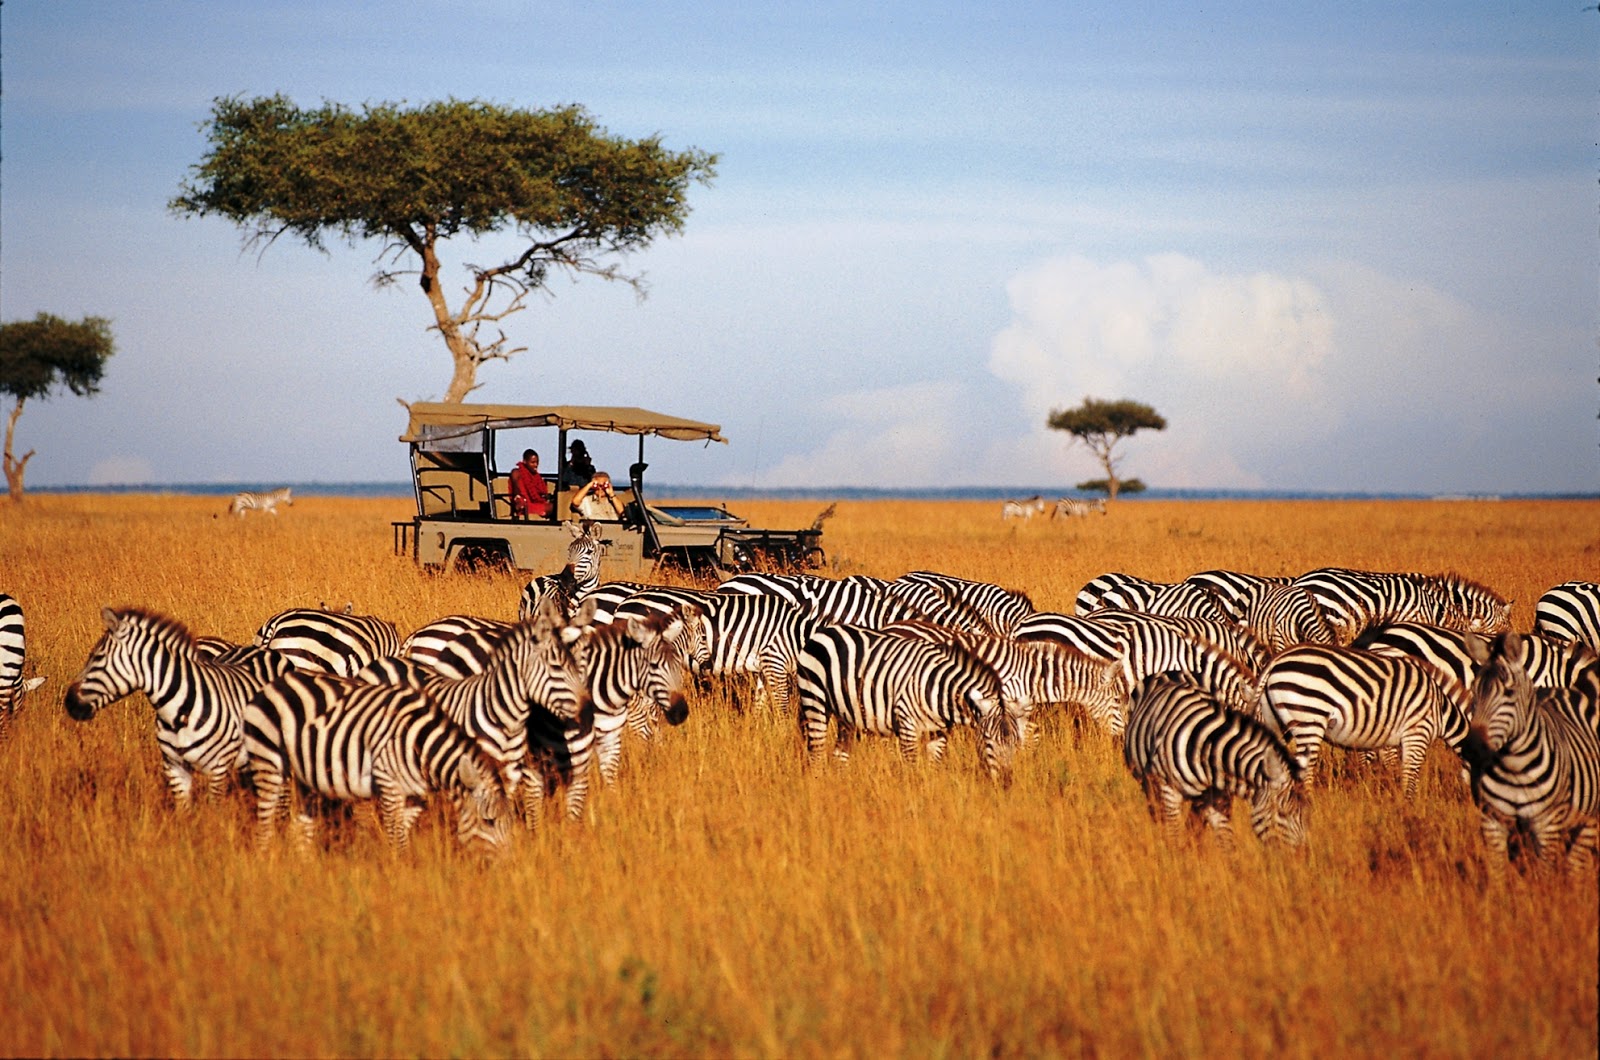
(814,728)
(1213,807)
(1549,838)
(1166,802)
(578,784)
(936,744)
(272,803)
(1307,743)
(396,814)
(1580,855)
(1411,753)
(216,783)
(180,782)
(532,796)
(1496,855)
(906,733)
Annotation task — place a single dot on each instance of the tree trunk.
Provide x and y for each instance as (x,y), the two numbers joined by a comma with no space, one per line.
(15,468)
(463,351)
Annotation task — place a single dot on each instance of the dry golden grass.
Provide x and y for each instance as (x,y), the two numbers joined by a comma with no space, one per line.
(724,900)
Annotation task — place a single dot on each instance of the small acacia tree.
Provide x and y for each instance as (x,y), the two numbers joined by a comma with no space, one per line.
(576,197)
(36,357)
(1101,425)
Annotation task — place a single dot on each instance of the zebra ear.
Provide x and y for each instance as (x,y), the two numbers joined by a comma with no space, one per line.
(547,616)
(573,528)
(586,612)
(109,617)
(31,683)
(1477,647)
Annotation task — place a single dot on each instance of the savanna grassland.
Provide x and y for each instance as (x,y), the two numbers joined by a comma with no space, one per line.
(723,899)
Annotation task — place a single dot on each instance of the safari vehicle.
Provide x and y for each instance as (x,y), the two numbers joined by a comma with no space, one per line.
(461,458)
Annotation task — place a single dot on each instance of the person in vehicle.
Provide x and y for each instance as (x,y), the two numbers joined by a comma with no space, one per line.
(530,496)
(597,500)
(580,469)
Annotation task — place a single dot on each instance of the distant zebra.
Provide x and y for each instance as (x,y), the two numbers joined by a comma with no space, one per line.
(1570,611)
(13,653)
(568,586)
(626,658)
(1023,509)
(266,503)
(1535,760)
(328,641)
(983,607)
(1184,746)
(879,683)
(1353,698)
(199,704)
(1072,508)
(347,741)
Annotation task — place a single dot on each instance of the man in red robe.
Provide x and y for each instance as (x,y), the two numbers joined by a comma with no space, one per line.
(530,497)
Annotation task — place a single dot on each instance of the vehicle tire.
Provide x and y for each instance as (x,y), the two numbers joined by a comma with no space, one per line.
(483,558)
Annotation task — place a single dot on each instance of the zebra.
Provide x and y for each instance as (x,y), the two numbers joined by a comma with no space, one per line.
(1234,639)
(1535,759)
(981,607)
(199,704)
(529,665)
(854,601)
(347,741)
(1185,600)
(1116,590)
(1023,509)
(573,582)
(1234,590)
(1099,639)
(456,646)
(632,656)
(328,641)
(1182,745)
(1470,606)
(1353,698)
(1033,673)
(13,653)
(1157,644)
(1352,600)
(1570,611)
(266,502)
(876,682)
(1072,508)
(1550,663)
(1284,616)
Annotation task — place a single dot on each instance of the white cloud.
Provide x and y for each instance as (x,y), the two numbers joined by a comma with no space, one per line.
(891,436)
(121,471)
(1231,360)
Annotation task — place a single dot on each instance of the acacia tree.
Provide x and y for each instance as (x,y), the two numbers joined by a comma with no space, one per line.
(36,357)
(577,198)
(1101,425)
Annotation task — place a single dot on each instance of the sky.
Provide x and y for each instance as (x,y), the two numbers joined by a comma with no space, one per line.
(1346,247)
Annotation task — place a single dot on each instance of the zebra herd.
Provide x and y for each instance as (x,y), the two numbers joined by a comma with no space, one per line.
(1064,508)
(1223,685)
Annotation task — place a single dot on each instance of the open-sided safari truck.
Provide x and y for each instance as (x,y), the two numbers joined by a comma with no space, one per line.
(461,458)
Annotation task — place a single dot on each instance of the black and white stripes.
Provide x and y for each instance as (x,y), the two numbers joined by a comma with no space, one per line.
(13,654)
(264,502)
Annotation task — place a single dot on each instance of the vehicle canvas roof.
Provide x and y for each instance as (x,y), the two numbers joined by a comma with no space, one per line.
(434,420)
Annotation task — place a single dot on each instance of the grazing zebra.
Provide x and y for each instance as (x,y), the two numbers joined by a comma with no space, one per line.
(568,586)
(1182,745)
(266,503)
(876,682)
(199,704)
(1535,759)
(1352,600)
(1234,590)
(1185,600)
(1158,644)
(13,653)
(621,660)
(1128,592)
(1234,639)
(1570,611)
(981,607)
(1285,616)
(328,641)
(1352,698)
(853,601)
(1550,663)
(1033,673)
(1072,508)
(456,645)
(347,740)
(1023,509)
(1099,639)
(1472,607)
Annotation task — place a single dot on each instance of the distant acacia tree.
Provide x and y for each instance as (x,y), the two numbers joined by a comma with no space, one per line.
(576,197)
(36,357)
(1101,485)
(1101,425)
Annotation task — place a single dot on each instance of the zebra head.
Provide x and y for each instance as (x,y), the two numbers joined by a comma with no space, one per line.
(483,813)
(1279,808)
(119,664)
(583,555)
(668,644)
(1501,692)
(540,663)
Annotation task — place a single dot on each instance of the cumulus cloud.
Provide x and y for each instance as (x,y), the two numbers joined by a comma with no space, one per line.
(1231,360)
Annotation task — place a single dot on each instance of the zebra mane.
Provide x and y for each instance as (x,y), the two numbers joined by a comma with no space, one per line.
(1461,585)
(164,628)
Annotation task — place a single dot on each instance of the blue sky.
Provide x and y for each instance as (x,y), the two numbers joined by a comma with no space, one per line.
(1338,246)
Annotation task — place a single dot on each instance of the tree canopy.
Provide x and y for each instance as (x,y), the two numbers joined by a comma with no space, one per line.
(1101,425)
(37,357)
(577,198)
